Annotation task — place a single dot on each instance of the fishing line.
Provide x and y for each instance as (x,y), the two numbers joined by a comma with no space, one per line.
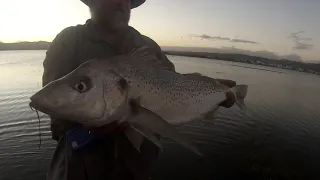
(38,124)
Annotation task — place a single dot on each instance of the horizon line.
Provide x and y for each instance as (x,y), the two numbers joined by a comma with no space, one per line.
(243,53)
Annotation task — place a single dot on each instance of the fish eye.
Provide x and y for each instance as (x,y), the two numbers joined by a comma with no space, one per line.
(80,87)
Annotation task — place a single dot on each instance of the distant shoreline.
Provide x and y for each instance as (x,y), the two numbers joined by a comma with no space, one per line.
(311,68)
(39,45)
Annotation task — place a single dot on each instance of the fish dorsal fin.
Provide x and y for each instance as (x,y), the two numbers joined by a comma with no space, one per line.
(227,82)
(154,123)
(198,76)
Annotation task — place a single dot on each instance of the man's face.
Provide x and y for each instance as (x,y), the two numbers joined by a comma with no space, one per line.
(113,13)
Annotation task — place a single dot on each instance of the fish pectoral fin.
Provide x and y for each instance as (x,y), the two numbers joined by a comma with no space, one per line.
(210,114)
(154,123)
(134,137)
(145,133)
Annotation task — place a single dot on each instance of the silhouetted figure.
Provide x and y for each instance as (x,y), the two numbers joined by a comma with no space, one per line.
(106,34)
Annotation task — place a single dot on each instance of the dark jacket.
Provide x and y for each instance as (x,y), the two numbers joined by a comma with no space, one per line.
(71,47)
(77,44)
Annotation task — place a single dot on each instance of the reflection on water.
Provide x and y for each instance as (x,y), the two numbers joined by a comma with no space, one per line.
(278,136)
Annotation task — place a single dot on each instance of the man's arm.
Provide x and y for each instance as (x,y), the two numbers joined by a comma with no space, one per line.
(57,63)
(58,58)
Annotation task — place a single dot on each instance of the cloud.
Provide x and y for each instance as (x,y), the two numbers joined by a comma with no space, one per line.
(302,46)
(299,41)
(207,37)
(214,38)
(244,41)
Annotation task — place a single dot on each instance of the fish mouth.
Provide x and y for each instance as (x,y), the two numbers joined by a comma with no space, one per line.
(35,106)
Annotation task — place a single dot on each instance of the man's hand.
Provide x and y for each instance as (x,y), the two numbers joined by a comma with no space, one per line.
(109,128)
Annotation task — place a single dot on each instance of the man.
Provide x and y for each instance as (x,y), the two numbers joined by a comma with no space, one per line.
(106,34)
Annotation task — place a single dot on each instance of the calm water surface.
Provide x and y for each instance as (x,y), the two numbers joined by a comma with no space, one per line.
(278,137)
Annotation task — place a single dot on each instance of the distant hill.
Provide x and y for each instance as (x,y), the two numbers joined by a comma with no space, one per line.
(312,68)
(39,45)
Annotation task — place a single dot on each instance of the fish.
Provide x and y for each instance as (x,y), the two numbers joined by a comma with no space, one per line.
(152,99)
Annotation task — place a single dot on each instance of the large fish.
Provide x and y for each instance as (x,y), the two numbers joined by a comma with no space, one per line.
(126,89)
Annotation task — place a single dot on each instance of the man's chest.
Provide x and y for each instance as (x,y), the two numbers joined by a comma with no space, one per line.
(87,50)
(89,45)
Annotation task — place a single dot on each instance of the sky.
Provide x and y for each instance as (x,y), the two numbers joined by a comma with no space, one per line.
(287,28)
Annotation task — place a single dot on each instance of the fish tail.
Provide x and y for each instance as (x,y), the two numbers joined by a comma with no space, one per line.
(240,92)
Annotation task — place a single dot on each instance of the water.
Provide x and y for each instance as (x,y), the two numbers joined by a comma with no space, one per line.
(277,138)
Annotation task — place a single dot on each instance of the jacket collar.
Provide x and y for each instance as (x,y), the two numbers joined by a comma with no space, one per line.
(127,36)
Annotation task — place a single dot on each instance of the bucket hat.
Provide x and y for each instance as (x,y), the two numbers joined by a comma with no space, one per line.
(134,3)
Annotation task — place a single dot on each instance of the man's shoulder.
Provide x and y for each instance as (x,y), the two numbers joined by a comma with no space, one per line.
(69,33)
(150,42)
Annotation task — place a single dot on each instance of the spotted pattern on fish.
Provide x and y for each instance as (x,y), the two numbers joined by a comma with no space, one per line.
(175,97)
